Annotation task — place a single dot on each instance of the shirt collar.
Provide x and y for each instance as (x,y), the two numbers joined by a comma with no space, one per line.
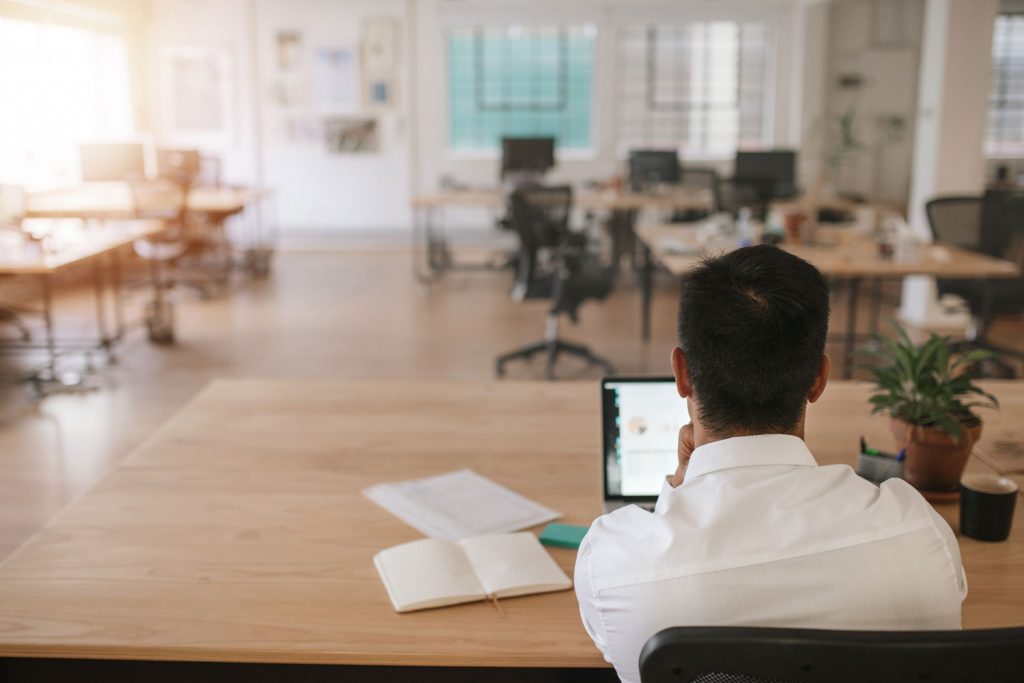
(749,451)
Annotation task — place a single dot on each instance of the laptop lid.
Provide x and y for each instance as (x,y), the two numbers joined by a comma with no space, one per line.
(641,418)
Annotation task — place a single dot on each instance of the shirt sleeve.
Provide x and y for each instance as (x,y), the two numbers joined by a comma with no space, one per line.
(953,547)
(587,597)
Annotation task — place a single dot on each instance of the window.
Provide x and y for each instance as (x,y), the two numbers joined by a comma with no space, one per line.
(520,81)
(1005,135)
(702,88)
(62,86)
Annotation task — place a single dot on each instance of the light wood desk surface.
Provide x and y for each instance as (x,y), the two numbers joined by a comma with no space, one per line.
(857,258)
(238,533)
(73,244)
(595,200)
(114,200)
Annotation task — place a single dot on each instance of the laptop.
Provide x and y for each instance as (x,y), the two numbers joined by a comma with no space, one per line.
(641,418)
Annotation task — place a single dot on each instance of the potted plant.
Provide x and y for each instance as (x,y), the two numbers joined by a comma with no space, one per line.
(929,393)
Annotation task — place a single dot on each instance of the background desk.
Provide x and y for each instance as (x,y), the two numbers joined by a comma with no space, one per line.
(237,533)
(853,261)
(114,200)
(428,230)
(104,201)
(72,243)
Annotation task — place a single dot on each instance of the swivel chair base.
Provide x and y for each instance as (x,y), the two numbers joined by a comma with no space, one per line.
(553,347)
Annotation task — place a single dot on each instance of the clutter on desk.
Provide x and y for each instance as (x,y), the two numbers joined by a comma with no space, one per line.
(876,466)
(458,505)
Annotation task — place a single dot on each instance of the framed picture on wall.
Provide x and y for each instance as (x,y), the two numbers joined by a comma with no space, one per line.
(195,94)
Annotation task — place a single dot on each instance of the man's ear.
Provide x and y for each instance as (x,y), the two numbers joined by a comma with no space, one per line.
(818,388)
(681,372)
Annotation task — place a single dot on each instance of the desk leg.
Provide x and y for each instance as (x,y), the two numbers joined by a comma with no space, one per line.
(852,300)
(51,338)
(646,284)
(876,303)
(106,343)
(115,285)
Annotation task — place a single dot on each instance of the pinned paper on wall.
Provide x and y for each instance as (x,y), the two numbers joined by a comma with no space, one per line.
(303,129)
(334,78)
(351,135)
(195,88)
(289,50)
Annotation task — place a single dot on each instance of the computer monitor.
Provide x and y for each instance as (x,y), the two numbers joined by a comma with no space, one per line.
(528,156)
(774,170)
(177,163)
(641,418)
(653,167)
(112,162)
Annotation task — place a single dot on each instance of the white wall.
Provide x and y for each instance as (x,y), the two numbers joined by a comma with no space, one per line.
(316,191)
(878,43)
(217,25)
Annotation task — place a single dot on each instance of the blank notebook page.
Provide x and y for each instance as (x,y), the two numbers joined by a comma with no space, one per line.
(428,573)
(514,564)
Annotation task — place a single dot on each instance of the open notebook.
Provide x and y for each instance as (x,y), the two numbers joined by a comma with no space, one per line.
(436,572)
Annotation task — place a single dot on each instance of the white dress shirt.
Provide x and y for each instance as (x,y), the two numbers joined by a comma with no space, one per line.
(759,535)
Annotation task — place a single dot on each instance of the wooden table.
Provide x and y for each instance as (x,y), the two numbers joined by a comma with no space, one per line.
(237,533)
(106,201)
(63,243)
(428,234)
(849,258)
(114,200)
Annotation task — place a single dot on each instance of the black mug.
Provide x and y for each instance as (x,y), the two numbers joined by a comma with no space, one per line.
(986,506)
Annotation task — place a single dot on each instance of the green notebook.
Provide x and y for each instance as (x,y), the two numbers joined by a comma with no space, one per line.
(563,535)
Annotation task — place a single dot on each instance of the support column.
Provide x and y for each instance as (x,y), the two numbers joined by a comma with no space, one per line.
(952,113)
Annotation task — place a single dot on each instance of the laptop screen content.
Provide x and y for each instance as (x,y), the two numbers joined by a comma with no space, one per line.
(642,418)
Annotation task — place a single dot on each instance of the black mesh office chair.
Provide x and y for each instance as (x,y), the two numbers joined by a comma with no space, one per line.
(700,178)
(790,655)
(986,225)
(540,216)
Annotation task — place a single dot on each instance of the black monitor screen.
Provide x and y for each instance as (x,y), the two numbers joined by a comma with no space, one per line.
(653,166)
(778,165)
(527,155)
(112,162)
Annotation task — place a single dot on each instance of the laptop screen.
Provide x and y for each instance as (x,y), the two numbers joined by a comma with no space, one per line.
(642,417)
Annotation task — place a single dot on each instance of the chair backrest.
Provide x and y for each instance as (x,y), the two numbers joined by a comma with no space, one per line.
(706,178)
(790,655)
(540,215)
(955,220)
(1002,223)
(12,206)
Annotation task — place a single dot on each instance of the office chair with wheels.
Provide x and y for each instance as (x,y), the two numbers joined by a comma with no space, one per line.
(540,216)
(715,654)
(986,225)
(701,178)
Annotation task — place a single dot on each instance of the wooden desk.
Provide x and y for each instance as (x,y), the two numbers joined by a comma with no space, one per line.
(237,533)
(114,200)
(428,225)
(72,243)
(853,261)
(63,243)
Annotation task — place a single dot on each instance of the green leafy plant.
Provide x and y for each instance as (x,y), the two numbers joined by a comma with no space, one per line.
(928,385)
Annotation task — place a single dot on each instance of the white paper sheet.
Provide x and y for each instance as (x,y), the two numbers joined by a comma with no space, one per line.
(459,505)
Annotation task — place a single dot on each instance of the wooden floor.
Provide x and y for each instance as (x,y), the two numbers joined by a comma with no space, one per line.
(339,314)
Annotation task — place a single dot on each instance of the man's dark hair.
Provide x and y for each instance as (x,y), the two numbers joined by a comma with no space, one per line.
(752,324)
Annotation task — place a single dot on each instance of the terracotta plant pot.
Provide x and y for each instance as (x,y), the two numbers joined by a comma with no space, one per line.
(934,461)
